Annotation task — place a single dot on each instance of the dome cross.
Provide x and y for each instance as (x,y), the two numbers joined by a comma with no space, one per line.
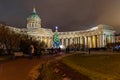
(34,10)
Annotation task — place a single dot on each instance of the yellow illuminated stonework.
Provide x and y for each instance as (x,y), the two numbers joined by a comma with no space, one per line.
(93,41)
(91,38)
(95,37)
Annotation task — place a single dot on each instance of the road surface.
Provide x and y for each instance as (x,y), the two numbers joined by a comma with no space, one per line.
(19,69)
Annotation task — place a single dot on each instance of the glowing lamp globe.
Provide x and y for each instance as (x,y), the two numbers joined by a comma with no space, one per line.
(56,27)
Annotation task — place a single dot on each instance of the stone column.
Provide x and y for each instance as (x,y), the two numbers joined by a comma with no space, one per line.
(31,25)
(89,42)
(113,39)
(34,25)
(47,41)
(102,40)
(50,42)
(94,44)
(105,39)
(62,42)
(74,40)
(83,42)
(86,41)
(98,41)
(66,42)
(79,41)
(71,41)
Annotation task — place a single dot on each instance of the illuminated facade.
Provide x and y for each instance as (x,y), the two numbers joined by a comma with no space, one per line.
(35,31)
(95,37)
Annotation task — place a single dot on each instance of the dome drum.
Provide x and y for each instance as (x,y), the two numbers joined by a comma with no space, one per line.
(33,20)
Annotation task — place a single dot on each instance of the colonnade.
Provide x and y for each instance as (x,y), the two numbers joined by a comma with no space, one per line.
(93,41)
(33,24)
(47,40)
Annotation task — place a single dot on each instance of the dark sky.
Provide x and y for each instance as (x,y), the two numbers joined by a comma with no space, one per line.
(67,14)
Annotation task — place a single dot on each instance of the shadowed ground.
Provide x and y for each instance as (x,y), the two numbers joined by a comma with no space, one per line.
(19,69)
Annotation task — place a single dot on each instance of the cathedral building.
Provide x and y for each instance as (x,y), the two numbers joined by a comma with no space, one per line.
(96,37)
(35,31)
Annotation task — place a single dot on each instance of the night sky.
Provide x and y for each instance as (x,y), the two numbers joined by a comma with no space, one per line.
(69,15)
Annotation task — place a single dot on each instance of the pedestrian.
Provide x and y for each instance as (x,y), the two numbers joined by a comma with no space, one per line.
(89,50)
(52,50)
(59,50)
(36,50)
(31,51)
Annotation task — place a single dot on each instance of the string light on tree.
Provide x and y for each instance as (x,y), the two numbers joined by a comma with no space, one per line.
(56,38)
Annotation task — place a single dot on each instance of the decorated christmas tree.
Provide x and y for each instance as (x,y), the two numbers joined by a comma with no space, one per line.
(56,39)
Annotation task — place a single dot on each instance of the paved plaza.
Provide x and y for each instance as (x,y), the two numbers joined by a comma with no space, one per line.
(20,68)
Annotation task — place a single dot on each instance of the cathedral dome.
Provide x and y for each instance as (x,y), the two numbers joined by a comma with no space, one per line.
(33,20)
(33,16)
